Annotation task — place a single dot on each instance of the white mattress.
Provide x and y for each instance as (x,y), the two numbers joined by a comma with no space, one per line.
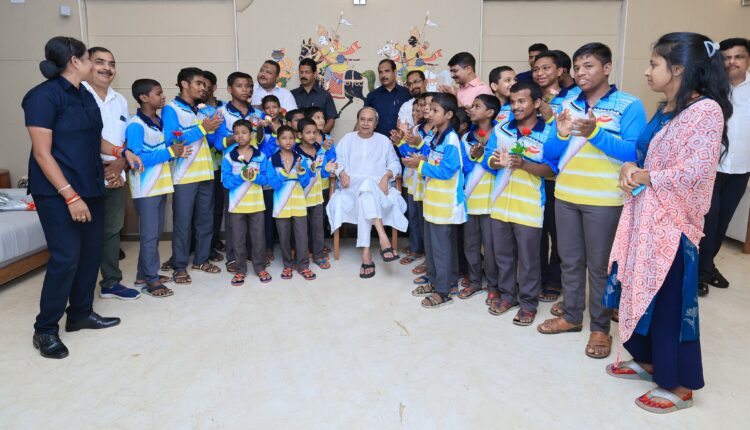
(21,233)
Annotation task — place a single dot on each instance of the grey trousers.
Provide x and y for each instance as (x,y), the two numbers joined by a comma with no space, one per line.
(285,226)
(584,240)
(441,255)
(255,225)
(228,229)
(114,219)
(478,236)
(416,225)
(517,259)
(198,197)
(150,224)
(316,217)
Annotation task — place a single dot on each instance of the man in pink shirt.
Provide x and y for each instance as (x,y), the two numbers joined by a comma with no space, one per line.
(463,71)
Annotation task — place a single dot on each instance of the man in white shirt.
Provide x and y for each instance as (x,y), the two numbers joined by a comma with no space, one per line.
(265,84)
(114,111)
(416,83)
(367,166)
(734,166)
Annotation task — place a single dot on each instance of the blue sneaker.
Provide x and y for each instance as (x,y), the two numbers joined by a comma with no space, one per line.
(119,291)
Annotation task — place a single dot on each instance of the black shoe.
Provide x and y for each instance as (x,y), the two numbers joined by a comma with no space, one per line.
(702,289)
(219,246)
(719,281)
(122,254)
(93,321)
(50,345)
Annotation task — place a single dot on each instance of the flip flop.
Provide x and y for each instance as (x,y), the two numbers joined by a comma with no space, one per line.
(677,402)
(394,255)
(574,329)
(638,372)
(151,290)
(410,258)
(365,267)
(421,280)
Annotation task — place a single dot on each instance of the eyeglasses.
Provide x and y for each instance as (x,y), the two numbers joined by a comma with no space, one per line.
(412,83)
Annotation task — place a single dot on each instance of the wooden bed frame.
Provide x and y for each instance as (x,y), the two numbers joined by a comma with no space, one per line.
(23,266)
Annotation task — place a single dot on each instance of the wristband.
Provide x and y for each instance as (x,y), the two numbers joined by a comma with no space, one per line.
(74,198)
(63,189)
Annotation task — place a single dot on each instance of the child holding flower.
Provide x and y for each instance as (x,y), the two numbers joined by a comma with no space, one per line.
(478,184)
(150,187)
(244,170)
(521,153)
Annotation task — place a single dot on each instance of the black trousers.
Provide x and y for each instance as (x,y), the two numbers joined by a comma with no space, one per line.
(728,191)
(218,208)
(73,267)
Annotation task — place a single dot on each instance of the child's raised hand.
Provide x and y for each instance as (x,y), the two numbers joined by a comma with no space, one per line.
(300,167)
(331,166)
(411,162)
(178,149)
(585,126)
(412,139)
(500,159)
(477,150)
(403,127)
(546,110)
(515,161)
(396,136)
(564,123)
(287,164)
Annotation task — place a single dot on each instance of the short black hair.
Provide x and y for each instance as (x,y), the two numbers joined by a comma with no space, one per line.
(550,54)
(238,75)
(462,116)
(94,49)
(284,129)
(538,47)
(312,110)
(275,65)
(389,61)
(463,59)
(418,72)
(735,41)
(309,62)
(497,72)
(490,102)
(187,74)
(597,50)
(565,61)
(268,99)
(534,89)
(143,87)
(242,123)
(210,76)
(290,115)
(304,122)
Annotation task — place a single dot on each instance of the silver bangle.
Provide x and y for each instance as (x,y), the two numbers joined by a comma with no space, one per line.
(63,189)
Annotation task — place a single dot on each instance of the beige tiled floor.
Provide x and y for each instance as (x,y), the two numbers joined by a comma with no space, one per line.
(340,352)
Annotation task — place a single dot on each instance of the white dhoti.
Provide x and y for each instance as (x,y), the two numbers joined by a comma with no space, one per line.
(364,202)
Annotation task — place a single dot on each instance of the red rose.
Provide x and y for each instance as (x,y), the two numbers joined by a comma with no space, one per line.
(482,133)
(177,133)
(525,131)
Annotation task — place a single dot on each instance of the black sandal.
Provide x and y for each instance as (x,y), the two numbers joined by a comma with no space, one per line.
(364,267)
(394,256)
(430,302)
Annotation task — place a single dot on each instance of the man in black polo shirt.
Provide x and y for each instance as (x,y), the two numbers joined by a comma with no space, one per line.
(387,98)
(309,93)
(534,50)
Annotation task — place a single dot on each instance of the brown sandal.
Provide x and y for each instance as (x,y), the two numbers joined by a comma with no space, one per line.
(501,307)
(524,318)
(598,340)
(469,292)
(423,291)
(182,278)
(207,267)
(553,326)
(420,269)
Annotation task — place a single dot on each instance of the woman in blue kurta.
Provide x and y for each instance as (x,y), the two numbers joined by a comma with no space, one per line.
(66,180)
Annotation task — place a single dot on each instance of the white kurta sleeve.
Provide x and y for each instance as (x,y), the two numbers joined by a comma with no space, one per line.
(342,154)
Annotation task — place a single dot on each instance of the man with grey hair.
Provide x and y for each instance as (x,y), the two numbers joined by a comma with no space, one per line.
(365,195)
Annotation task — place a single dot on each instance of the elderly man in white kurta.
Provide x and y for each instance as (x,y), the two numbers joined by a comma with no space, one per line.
(367,166)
